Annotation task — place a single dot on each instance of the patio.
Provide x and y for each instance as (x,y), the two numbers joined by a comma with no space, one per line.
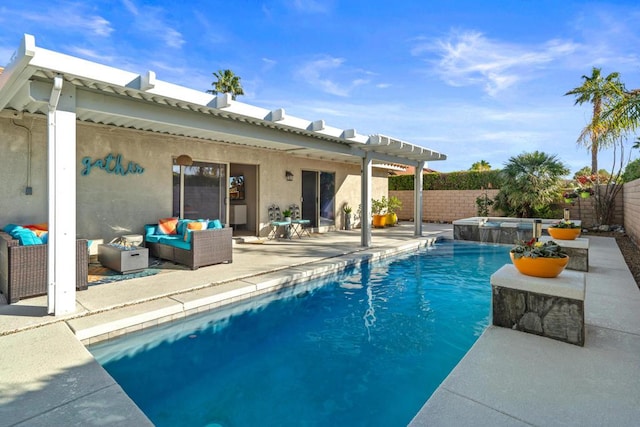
(507,378)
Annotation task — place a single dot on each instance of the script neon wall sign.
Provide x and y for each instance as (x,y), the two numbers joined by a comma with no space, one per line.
(111,164)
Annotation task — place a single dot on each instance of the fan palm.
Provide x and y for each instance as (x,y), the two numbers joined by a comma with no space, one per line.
(480,166)
(531,182)
(227,82)
(601,92)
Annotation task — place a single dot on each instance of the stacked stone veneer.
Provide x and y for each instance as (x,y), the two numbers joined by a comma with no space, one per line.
(553,308)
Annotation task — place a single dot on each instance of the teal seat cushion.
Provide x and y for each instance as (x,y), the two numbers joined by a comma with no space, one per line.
(214,224)
(10,227)
(150,229)
(182,226)
(153,238)
(25,236)
(177,241)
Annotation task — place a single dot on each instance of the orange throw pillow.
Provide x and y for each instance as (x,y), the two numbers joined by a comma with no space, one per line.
(168,225)
(197,225)
(193,225)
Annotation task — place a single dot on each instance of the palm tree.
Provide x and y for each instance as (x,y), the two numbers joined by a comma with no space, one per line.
(623,116)
(480,166)
(531,182)
(227,82)
(601,92)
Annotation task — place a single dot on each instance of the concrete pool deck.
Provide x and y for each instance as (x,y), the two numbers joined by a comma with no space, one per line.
(47,377)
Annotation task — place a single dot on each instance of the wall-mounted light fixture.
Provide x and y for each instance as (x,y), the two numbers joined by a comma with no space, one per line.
(184,160)
(288,175)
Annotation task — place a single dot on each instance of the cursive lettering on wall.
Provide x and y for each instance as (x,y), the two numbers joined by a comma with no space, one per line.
(111,164)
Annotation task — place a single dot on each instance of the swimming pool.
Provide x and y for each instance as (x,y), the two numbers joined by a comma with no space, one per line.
(365,348)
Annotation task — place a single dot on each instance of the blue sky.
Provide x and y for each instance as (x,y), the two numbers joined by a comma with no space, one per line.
(476,80)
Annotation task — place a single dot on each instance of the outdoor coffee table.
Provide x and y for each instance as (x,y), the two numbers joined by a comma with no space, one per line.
(123,259)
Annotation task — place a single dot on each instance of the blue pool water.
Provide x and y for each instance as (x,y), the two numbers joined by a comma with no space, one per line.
(366,348)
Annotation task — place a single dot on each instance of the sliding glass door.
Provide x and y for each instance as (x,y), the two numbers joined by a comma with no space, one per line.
(318,198)
(200,191)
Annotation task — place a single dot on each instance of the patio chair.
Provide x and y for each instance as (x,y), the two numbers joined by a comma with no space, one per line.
(276,222)
(300,226)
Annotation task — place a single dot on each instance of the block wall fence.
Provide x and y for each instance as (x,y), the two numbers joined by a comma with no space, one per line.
(632,210)
(446,206)
(442,205)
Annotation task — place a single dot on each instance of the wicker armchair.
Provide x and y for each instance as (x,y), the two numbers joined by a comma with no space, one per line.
(23,269)
(208,247)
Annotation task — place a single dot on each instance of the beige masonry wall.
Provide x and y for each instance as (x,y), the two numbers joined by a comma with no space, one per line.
(632,210)
(450,205)
(110,205)
(443,205)
(584,209)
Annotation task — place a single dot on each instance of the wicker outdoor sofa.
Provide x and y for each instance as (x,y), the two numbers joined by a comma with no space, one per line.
(23,269)
(206,247)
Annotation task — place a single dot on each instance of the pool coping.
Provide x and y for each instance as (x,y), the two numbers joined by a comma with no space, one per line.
(94,328)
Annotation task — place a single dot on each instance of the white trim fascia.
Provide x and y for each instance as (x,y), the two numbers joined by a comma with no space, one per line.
(17,72)
(147,87)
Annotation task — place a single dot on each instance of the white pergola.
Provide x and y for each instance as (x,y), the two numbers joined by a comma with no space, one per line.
(68,89)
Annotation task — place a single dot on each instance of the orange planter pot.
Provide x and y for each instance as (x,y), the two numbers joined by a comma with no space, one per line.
(540,267)
(564,233)
(379,220)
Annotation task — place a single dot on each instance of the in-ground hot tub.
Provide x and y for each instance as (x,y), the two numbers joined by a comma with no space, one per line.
(498,229)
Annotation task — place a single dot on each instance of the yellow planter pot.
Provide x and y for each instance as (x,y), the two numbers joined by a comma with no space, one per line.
(392,219)
(540,267)
(379,220)
(564,233)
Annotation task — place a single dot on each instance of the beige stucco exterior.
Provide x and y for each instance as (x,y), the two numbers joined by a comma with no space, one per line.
(110,205)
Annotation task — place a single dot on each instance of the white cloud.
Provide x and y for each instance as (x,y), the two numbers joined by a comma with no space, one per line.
(150,21)
(330,76)
(469,58)
(311,6)
(89,53)
(268,63)
(131,7)
(67,16)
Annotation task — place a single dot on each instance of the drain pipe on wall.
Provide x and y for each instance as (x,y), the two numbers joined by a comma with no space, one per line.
(52,261)
(28,189)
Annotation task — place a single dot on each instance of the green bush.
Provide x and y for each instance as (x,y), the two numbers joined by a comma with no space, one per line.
(632,171)
(465,180)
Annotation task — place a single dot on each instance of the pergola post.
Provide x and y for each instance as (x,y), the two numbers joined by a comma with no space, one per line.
(417,199)
(61,264)
(365,201)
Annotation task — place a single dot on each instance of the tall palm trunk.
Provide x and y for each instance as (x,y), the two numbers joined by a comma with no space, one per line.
(595,134)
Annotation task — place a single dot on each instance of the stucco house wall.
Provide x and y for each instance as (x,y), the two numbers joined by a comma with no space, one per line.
(109,205)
